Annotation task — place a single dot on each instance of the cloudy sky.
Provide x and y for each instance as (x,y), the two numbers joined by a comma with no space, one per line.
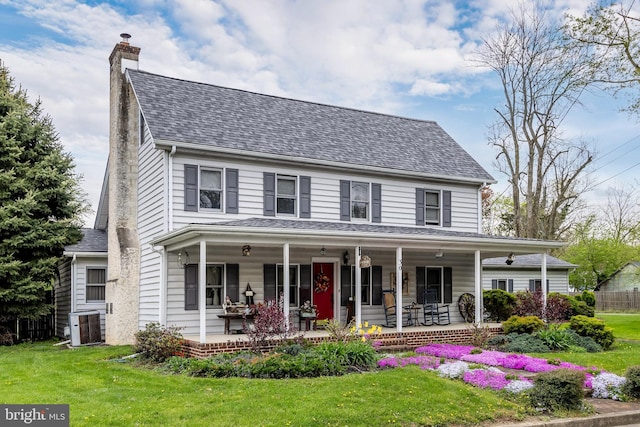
(404,57)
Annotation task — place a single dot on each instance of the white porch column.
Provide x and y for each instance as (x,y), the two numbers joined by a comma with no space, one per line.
(358,287)
(478,282)
(399,289)
(285,282)
(162,315)
(202,291)
(543,283)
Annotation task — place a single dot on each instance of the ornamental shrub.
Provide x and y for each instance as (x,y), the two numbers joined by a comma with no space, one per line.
(558,307)
(594,328)
(588,297)
(499,304)
(557,390)
(580,308)
(158,343)
(632,387)
(522,325)
(524,343)
(555,338)
(585,343)
(528,303)
(270,326)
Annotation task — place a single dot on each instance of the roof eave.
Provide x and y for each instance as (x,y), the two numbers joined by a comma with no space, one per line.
(244,154)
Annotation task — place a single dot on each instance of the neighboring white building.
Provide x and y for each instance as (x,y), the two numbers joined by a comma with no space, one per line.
(627,278)
(524,273)
(210,190)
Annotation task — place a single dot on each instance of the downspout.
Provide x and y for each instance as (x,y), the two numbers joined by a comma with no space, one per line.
(73,283)
(169,190)
(484,184)
(162,302)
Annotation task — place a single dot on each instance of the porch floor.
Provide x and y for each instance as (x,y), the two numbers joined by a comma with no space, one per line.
(390,339)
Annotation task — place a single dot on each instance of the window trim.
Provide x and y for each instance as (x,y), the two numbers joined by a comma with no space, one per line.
(295,301)
(439,208)
(223,286)
(352,201)
(96,285)
(296,195)
(221,189)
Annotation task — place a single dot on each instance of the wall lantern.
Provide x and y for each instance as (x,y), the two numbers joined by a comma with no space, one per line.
(183,259)
(246,250)
(510,259)
(323,251)
(439,254)
(365,261)
(345,258)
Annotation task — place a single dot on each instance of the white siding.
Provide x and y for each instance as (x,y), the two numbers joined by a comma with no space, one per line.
(62,294)
(558,279)
(81,286)
(151,223)
(398,195)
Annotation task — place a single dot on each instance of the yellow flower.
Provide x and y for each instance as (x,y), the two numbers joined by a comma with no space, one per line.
(366,324)
(363,339)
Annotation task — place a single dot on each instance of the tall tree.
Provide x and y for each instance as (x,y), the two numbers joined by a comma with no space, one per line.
(40,203)
(611,32)
(541,80)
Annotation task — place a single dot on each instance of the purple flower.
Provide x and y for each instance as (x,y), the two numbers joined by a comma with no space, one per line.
(484,378)
(448,351)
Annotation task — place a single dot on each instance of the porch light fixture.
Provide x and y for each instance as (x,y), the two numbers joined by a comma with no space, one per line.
(345,258)
(323,251)
(246,250)
(439,254)
(510,259)
(183,259)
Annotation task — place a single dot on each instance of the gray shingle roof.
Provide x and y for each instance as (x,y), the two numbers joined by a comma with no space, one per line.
(217,117)
(92,241)
(529,260)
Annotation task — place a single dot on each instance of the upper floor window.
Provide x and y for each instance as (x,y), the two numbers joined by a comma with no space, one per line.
(96,284)
(210,189)
(360,201)
(286,195)
(433,207)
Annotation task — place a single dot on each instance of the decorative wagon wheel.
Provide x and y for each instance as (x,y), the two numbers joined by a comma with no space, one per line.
(467,307)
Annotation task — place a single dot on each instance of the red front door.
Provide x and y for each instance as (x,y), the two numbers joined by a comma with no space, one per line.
(322,287)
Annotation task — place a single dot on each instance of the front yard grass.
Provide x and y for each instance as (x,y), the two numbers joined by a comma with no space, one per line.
(104,392)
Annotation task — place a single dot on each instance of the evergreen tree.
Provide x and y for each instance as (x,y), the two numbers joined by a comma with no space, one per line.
(40,204)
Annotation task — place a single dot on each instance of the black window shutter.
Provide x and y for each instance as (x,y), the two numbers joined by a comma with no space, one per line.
(446,208)
(305,283)
(376,205)
(510,285)
(269,182)
(345,200)
(547,285)
(305,197)
(269,282)
(532,285)
(421,278)
(448,285)
(233,282)
(376,285)
(420,207)
(231,191)
(345,284)
(494,283)
(191,188)
(191,287)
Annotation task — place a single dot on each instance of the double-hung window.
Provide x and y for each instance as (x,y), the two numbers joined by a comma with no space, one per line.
(96,284)
(215,285)
(293,284)
(286,195)
(210,189)
(432,207)
(359,200)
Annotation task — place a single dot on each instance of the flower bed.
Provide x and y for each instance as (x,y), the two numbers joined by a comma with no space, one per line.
(604,385)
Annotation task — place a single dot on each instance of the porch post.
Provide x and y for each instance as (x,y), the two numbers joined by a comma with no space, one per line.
(478,282)
(285,283)
(399,289)
(163,286)
(358,287)
(543,283)
(202,291)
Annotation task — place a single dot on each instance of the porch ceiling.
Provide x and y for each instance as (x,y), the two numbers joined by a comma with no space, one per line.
(275,232)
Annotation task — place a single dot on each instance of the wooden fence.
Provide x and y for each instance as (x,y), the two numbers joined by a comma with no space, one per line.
(618,300)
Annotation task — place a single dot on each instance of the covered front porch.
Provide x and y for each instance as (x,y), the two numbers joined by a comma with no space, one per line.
(343,269)
(390,340)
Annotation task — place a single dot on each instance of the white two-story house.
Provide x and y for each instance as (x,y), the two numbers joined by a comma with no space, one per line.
(211,191)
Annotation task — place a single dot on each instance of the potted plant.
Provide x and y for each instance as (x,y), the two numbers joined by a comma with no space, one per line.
(307,310)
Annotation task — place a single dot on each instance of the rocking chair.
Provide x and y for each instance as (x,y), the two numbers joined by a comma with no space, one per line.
(389,304)
(434,312)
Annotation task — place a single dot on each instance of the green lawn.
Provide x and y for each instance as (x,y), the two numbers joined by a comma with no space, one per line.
(102,391)
(108,393)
